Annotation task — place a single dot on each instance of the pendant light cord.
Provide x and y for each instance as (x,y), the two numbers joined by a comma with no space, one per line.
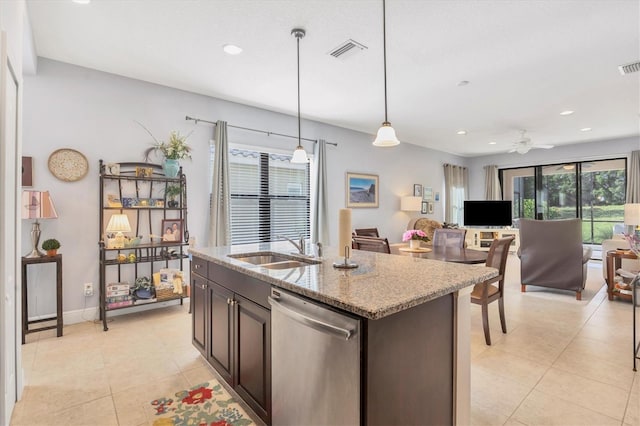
(299,134)
(384,54)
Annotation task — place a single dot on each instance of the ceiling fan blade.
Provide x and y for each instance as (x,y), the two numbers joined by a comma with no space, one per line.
(544,146)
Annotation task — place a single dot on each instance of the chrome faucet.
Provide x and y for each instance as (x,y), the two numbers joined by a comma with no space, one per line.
(300,245)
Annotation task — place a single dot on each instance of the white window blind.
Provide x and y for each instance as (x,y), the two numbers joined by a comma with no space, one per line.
(269,196)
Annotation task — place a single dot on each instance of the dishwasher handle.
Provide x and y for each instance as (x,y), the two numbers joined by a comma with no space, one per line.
(311,322)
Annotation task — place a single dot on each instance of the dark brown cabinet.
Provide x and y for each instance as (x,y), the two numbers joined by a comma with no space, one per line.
(199,312)
(232,328)
(253,355)
(220,354)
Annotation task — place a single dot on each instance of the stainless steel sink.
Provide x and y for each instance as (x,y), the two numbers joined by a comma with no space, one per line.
(274,260)
(260,259)
(285,265)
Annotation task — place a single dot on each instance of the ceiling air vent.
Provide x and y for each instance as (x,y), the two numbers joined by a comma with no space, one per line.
(629,68)
(346,47)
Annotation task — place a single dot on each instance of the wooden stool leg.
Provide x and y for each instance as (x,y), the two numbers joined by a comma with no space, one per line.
(523,288)
(578,295)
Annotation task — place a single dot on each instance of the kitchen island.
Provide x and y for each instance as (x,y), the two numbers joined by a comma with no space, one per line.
(413,334)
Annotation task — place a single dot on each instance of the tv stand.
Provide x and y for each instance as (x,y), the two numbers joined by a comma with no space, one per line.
(481,238)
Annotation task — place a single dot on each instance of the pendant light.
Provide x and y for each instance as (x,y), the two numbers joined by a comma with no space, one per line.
(386,135)
(299,155)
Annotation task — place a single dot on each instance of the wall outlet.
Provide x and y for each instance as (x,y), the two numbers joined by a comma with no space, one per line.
(88,289)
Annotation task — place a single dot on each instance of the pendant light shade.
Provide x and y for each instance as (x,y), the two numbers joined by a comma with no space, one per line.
(299,155)
(386,136)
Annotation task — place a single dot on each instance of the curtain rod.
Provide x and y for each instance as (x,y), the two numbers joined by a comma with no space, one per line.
(256,130)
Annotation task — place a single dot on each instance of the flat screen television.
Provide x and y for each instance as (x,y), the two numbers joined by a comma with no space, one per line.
(487,213)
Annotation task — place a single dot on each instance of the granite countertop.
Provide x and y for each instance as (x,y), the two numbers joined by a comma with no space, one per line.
(383,284)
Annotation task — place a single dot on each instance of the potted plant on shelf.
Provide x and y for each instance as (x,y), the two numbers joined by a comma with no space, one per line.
(51,246)
(415,236)
(171,192)
(175,149)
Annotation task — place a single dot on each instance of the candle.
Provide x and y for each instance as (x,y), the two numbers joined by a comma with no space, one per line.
(344,232)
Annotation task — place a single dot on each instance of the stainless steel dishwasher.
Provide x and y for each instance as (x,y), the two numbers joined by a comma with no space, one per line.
(315,363)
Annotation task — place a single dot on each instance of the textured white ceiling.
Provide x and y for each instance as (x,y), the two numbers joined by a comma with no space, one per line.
(526,61)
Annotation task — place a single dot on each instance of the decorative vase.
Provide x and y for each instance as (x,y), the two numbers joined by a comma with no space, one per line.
(170,168)
(414,244)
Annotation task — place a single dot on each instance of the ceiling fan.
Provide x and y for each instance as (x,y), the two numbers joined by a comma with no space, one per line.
(524,144)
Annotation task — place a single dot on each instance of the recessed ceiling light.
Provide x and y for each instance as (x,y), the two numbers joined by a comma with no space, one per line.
(586,129)
(232,49)
(81,1)
(463,83)
(492,143)
(461,132)
(567,112)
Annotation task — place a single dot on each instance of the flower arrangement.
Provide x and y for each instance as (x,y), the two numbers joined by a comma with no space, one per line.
(415,234)
(174,149)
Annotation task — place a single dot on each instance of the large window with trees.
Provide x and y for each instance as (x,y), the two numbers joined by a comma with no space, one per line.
(591,190)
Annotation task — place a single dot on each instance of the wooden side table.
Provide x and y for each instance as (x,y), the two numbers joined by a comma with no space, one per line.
(614,261)
(25,315)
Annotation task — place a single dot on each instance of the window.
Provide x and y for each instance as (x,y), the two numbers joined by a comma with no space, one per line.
(591,190)
(269,196)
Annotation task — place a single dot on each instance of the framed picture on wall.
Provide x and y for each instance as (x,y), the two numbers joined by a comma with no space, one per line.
(27,172)
(425,208)
(362,190)
(171,230)
(417,190)
(429,208)
(427,193)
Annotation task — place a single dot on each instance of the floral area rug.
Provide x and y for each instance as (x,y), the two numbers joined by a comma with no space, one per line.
(206,404)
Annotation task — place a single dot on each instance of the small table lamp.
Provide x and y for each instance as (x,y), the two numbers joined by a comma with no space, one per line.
(119,223)
(632,217)
(37,205)
(632,225)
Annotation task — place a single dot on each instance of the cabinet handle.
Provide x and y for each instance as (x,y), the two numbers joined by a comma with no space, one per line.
(229,301)
(196,266)
(203,286)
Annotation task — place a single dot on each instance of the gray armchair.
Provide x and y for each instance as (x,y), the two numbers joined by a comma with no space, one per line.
(551,254)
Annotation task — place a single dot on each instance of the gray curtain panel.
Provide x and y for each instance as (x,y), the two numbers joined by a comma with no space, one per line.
(220,209)
(492,189)
(320,225)
(456,188)
(633,180)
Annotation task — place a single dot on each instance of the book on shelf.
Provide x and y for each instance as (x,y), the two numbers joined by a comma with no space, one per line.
(121,304)
(145,301)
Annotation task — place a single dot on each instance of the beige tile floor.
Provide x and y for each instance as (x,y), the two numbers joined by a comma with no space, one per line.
(562,362)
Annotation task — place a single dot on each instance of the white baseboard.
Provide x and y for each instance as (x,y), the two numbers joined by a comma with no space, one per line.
(91,314)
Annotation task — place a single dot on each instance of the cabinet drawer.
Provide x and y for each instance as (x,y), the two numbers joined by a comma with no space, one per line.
(251,288)
(199,266)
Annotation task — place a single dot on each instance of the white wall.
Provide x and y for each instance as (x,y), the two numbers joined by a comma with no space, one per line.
(618,148)
(95,113)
